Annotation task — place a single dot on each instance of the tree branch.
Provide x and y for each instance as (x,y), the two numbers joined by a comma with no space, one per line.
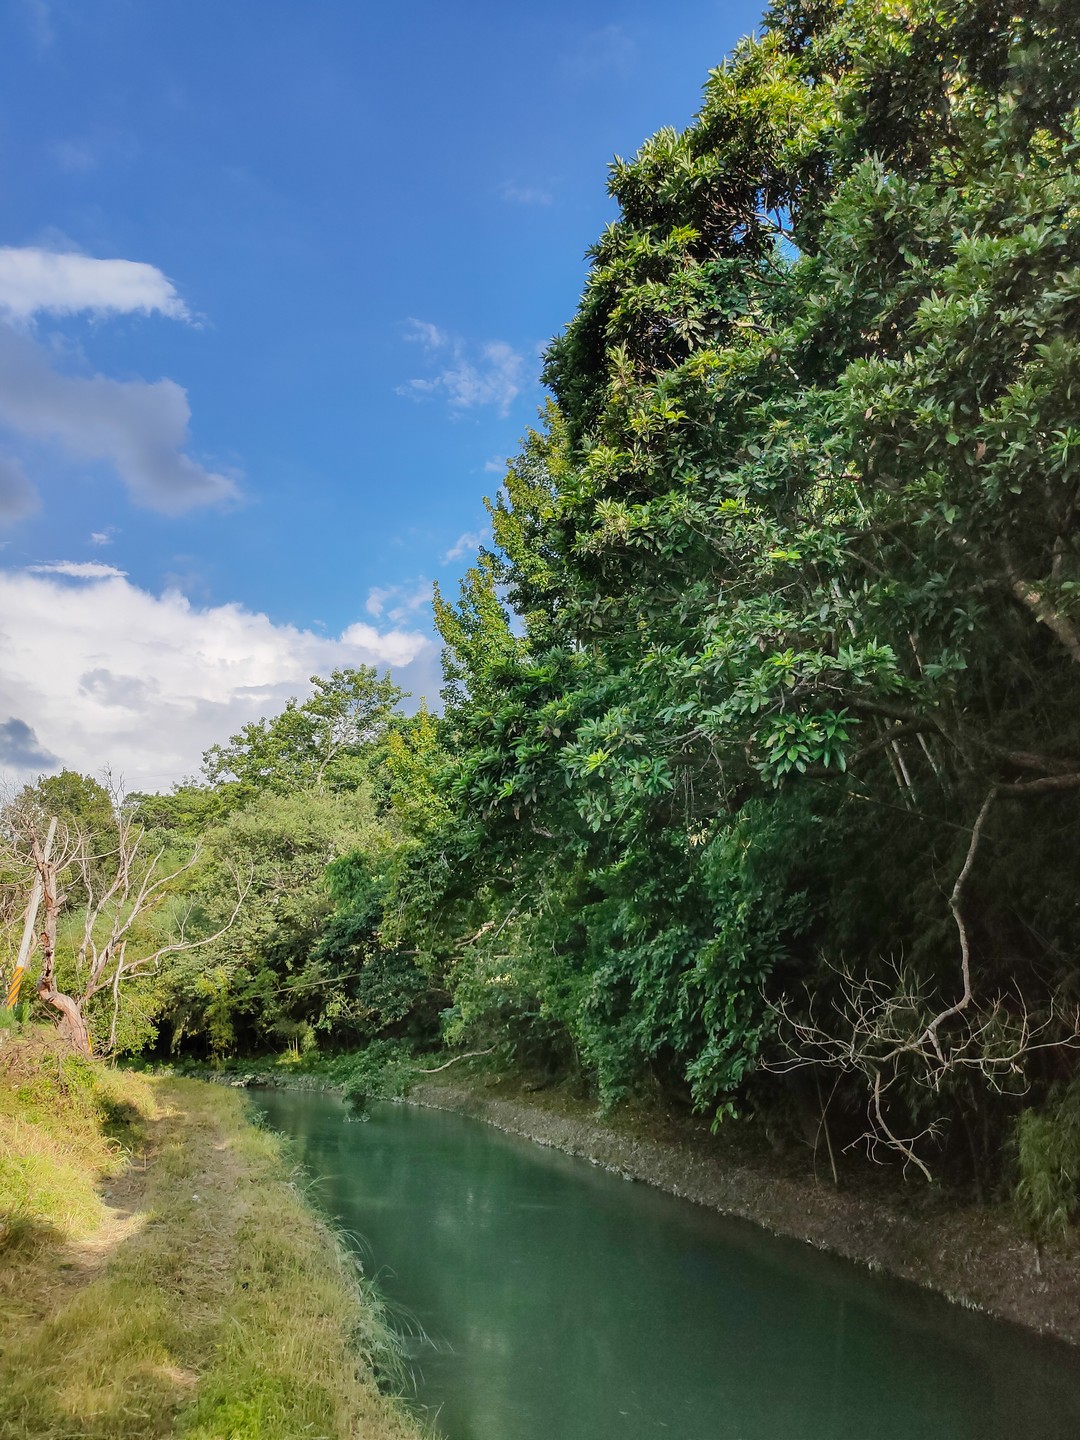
(1045,613)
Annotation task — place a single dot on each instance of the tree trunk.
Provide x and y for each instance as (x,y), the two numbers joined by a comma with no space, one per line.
(71,1024)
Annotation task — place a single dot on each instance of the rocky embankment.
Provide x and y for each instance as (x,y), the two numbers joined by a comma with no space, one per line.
(973,1255)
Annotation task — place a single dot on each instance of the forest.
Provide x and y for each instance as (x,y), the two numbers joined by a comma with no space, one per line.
(753,784)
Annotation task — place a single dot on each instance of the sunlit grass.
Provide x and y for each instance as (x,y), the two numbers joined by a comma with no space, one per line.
(200,1297)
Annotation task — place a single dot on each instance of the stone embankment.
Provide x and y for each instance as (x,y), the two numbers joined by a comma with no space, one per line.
(973,1255)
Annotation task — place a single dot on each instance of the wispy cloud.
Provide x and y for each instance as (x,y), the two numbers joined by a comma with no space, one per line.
(608,51)
(18,496)
(138,427)
(79,570)
(83,154)
(34,281)
(526,194)
(78,157)
(423,332)
(466,544)
(97,670)
(398,603)
(496,465)
(38,17)
(470,376)
(103,537)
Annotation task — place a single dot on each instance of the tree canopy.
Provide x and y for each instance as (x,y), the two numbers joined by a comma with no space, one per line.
(778,777)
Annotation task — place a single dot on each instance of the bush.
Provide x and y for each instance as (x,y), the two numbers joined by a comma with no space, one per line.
(382,1071)
(1048,1155)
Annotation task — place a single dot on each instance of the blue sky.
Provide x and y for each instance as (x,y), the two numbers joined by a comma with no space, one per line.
(348,232)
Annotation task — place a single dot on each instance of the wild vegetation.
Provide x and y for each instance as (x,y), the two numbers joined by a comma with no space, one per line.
(755,784)
(151,1245)
(770,801)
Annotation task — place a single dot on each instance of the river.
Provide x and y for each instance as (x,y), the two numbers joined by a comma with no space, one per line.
(560,1302)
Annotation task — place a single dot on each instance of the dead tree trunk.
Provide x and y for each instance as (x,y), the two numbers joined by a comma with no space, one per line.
(71,1024)
(26,944)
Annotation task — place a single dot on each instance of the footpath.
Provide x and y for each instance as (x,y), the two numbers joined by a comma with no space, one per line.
(161,1274)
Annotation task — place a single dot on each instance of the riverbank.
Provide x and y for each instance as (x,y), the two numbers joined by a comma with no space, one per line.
(973,1255)
(160,1273)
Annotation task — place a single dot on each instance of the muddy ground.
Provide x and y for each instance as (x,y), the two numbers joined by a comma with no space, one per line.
(974,1255)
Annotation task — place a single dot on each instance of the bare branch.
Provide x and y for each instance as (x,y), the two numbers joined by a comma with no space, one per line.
(469,1055)
(1045,613)
(880,1030)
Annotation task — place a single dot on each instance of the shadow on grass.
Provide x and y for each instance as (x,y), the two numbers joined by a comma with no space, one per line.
(24,1237)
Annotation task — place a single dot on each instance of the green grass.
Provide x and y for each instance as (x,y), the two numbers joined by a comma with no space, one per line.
(58,1137)
(199,1297)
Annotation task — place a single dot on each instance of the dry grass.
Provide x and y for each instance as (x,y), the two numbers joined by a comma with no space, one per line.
(191,1293)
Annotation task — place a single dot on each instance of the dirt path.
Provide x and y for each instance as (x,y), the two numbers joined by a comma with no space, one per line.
(206,1301)
(971,1255)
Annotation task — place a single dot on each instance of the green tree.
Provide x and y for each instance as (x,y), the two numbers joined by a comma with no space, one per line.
(784,764)
(320,742)
(268,978)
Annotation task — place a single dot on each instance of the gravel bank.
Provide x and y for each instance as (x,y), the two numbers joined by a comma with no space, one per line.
(972,1255)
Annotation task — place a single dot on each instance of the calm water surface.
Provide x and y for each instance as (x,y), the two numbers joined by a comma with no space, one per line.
(562,1303)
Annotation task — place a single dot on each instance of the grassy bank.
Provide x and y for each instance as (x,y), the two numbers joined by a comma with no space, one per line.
(382,1070)
(159,1273)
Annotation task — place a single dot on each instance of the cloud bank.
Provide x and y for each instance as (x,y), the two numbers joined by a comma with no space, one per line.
(95,671)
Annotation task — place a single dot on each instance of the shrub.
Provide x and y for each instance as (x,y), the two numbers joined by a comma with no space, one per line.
(1048,1156)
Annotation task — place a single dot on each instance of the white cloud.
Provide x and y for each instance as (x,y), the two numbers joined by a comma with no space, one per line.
(391,647)
(34,281)
(103,537)
(104,673)
(404,600)
(466,544)
(471,376)
(526,194)
(18,497)
(79,570)
(138,427)
(496,465)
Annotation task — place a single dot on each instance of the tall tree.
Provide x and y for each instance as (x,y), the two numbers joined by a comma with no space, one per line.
(784,768)
(320,742)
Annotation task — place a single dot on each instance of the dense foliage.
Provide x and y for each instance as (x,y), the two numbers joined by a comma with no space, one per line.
(773,795)
(243,912)
(756,782)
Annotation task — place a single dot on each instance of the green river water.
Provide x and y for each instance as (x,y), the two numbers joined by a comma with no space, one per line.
(561,1302)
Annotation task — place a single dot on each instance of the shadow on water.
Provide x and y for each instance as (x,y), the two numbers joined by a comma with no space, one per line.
(554,1301)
